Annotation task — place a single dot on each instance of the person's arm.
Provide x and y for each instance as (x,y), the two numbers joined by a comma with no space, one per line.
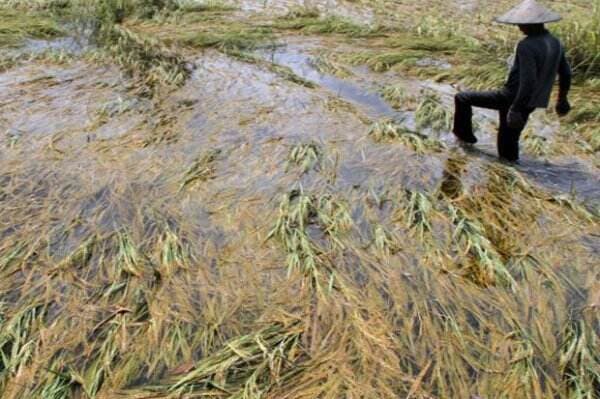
(565,76)
(527,81)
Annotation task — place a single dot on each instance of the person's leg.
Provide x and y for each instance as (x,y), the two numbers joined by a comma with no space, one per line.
(464,103)
(508,138)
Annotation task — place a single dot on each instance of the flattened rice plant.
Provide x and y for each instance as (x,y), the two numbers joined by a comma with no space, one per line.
(16,26)
(298,211)
(390,131)
(399,97)
(580,360)
(333,217)
(143,57)
(17,339)
(385,242)
(309,21)
(128,258)
(524,372)
(432,113)
(201,169)
(248,366)
(417,213)
(306,156)
(384,61)
(295,212)
(582,40)
(470,239)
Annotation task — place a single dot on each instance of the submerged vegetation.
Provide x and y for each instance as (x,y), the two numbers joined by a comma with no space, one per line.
(390,131)
(181,217)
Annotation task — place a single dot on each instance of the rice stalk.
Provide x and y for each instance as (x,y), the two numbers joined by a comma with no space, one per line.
(385,242)
(417,213)
(399,97)
(299,212)
(202,169)
(387,130)
(248,366)
(18,341)
(580,361)
(172,251)
(470,238)
(128,258)
(306,156)
(432,113)
(310,22)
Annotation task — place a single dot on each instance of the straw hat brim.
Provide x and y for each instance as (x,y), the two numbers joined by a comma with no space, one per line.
(529,12)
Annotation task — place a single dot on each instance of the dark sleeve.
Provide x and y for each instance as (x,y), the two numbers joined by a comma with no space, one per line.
(564,75)
(527,77)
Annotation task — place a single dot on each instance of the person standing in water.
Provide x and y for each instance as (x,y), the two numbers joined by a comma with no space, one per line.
(538,59)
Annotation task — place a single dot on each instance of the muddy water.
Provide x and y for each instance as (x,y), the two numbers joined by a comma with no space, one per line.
(568,176)
(302,64)
(77,129)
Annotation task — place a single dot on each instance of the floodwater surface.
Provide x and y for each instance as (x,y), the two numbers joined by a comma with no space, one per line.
(164,224)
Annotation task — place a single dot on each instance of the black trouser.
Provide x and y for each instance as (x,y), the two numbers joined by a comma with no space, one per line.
(501,100)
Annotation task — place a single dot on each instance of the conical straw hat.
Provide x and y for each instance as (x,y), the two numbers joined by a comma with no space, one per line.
(528,12)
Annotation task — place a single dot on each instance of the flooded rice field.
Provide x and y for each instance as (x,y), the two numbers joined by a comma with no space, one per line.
(264,199)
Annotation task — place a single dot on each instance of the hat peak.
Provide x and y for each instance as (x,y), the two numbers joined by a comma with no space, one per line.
(528,12)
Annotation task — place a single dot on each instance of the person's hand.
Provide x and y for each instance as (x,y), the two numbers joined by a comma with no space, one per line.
(563,107)
(515,120)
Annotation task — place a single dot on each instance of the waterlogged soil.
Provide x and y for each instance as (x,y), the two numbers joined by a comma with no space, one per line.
(253,116)
(82,152)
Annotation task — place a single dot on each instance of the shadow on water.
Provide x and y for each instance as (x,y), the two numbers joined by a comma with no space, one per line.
(564,178)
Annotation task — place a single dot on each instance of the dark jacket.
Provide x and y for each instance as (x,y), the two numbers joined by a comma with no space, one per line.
(539,57)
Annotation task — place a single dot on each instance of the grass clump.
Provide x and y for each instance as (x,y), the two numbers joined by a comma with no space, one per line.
(16,26)
(247,366)
(201,169)
(144,58)
(471,240)
(432,113)
(385,60)
(386,131)
(580,360)
(233,41)
(399,97)
(298,212)
(417,213)
(305,156)
(579,34)
(310,22)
